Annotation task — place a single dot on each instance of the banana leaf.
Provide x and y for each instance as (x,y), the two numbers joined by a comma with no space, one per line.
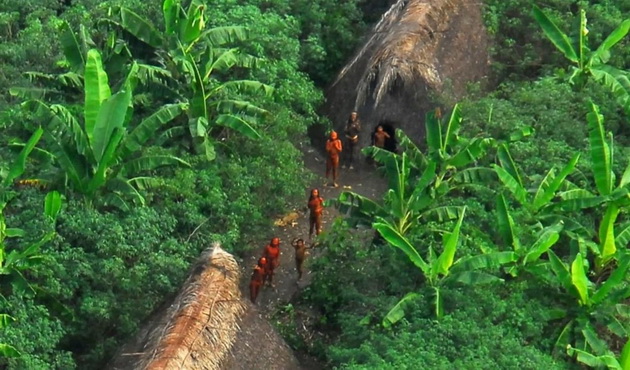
(484,261)
(145,131)
(397,312)
(393,237)
(237,124)
(71,48)
(600,55)
(52,205)
(111,117)
(506,161)
(445,260)
(547,190)
(148,163)
(170,10)
(553,33)
(225,35)
(18,166)
(616,278)
(547,239)
(96,90)
(505,224)
(607,232)
(140,28)
(452,128)
(472,278)
(600,151)
(512,184)
(579,280)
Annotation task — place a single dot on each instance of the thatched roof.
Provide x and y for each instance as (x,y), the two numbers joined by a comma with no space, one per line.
(418,48)
(198,329)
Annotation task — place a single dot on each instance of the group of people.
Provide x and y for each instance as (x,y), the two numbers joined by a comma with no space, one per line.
(270,260)
(334,146)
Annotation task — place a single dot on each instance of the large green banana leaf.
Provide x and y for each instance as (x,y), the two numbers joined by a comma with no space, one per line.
(237,124)
(146,130)
(397,312)
(141,28)
(96,90)
(71,48)
(446,259)
(579,279)
(557,37)
(393,237)
(111,116)
(505,224)
(547,189)
(600,151)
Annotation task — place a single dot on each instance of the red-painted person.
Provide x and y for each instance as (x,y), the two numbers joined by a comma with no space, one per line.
(316,208)
(333,148)
(258,276)
(272,254)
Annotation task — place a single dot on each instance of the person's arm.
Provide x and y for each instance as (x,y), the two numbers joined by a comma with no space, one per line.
(386,135)
(338,145)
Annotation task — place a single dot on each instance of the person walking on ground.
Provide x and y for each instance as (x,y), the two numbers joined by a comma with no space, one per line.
(258,276)
(353,127)
(379,137)
(272,255)
(316,208)
(300,255)
(333,149)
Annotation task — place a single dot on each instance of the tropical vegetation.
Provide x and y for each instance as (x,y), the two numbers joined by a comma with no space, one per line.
(144,130)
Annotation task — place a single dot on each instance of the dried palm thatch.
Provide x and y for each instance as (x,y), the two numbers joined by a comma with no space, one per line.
(402,44)
(198,329)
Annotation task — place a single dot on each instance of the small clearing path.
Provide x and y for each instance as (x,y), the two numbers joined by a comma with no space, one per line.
(363,179)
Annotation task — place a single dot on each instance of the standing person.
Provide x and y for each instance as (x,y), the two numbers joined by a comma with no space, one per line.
(353,127)
(272,255)
(378,140)
(333,149)
(258,277)
(316,208)
(300,255)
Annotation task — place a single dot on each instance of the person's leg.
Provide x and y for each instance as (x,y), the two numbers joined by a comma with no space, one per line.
(351,148)
(311,225)
(335,169)
(298,266)
(329,166)
(253,291)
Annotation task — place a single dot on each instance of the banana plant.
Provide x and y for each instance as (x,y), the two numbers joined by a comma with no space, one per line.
(7,350)
(528,256)
(16,168)
(443,270)
(451,154)
(602,356)
(15,261)
(418,181)
(591,304)
(190,57)
(588,63)
(542,198)
(614,198)
(101,154)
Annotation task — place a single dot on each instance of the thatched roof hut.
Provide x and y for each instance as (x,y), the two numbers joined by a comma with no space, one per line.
(201,328)
(419,48)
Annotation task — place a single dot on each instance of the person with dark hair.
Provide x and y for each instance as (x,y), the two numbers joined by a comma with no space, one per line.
(353,127)
(258,277)
(379,138)
(333,149)
(272,255)
(300,255)
(316,208)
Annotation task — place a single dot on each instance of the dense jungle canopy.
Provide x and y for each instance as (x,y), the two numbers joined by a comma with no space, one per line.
(135,133)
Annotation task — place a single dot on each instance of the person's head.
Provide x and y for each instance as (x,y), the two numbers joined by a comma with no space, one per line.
(379,128)
(314,193)
(262,262)
(275,242)
(333,135)
(353,116)
(300,242)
